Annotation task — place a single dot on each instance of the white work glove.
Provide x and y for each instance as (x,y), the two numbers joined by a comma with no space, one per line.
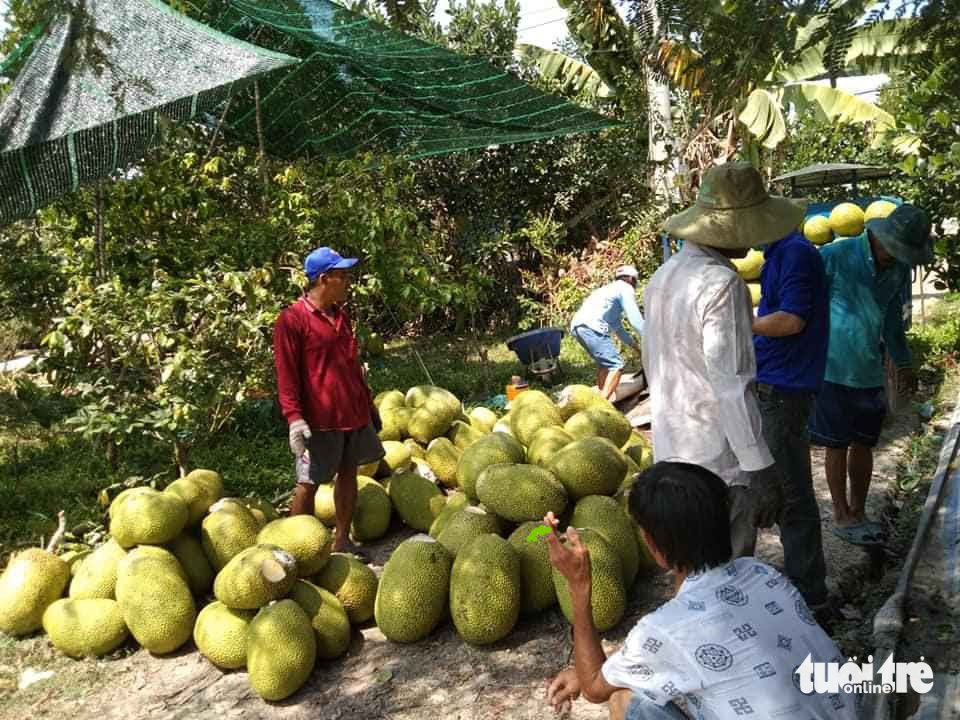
(299,433)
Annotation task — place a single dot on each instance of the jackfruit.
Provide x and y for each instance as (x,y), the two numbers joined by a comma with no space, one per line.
(323,505)
(412,596)
(530,397)
(74,559)
(256,576)
(521,492)
(354,584)
(463,435)
(262,511)
(608,519)
(85,627)
(756,293)
(371,512)
(144,516)
(97,575)
(536,578)
(846,219)
(416,449)
(485,590)
(189,553)
(455,501)
(327,616)
(394,423)
(397,457)
(608,598)
(208,479)
(196,495)
(483,419)
(31,582)
(492,449)
(281,650)
(155,599)
(546,442)
(464,526)
(593,466)
(749,267)
(503,425)
(389,399)
(530,417)
(417,500)
(443,457)
(220,634)
(878,209)
(227,530)
(370,469)
(639,449)
(817,230)
(304,537)
(598,422)
(435,410)
(576,398)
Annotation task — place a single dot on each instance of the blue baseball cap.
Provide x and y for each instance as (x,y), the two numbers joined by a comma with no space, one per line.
(324,260)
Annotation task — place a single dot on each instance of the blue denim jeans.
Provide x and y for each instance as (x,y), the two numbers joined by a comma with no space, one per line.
(600,347)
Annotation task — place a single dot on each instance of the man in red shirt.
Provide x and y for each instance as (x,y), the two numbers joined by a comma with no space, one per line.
(322,389)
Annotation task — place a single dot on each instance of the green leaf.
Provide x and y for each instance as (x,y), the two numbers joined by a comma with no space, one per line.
(572,75)
(763,117)
(836,105)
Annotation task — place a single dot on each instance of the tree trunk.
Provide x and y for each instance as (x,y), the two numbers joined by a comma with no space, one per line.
(180,456)
(662,143)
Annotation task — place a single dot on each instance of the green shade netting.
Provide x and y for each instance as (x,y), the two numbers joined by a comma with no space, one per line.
(95,90)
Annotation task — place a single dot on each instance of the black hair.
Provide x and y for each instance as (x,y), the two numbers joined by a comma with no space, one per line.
(684,508)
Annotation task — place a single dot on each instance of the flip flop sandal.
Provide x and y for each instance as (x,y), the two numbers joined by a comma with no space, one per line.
(861,534)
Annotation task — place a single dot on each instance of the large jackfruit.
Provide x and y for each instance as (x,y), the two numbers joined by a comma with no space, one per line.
(144,516)
(256,576)
(227,530)
(97,575)
(443,457)
(371,512)
(397,457)
(483,419)
(606,516)
(464,526)
(521,492)
(327,616)
(526,420)
(593,466)
(537,592)
(463,435)
(598,422)
(220,634)
(85,627)
(394,421)
(209,479)
(455,501)
(485,590)
(417,500)
(304,537)
(412,596)
(546,443)
(494,448)
(324,507)
(281,650)
(574,398)
(33,580)
(435,410)
(198,494)
(189,553)
(263,511)
(609,596)
(389,399)
(155,599)
(354,584)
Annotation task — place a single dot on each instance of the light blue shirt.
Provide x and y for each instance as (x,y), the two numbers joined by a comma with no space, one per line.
(866,311)
(604,308)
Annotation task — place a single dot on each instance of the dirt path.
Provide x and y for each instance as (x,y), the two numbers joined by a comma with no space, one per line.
(441,677)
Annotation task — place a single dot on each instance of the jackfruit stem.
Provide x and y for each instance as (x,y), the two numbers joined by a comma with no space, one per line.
(58,535)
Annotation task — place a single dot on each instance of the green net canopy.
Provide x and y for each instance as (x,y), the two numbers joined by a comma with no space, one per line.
(93,93)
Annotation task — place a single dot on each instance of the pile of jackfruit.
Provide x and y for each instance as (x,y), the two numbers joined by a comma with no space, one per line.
(262,592)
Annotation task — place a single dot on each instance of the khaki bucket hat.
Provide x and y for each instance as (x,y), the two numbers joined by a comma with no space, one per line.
(733,210)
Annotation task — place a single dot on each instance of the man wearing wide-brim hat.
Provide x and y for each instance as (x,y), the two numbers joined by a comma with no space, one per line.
(698,346)
(866,276)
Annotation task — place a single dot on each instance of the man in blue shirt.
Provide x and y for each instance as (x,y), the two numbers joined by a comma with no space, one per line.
(599,315)
(865,276)
(791,331)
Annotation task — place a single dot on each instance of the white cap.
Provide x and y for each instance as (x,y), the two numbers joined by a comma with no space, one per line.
(626,271)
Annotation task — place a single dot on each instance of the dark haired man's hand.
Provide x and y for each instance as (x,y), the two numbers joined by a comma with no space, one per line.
(571,560)
(767,489)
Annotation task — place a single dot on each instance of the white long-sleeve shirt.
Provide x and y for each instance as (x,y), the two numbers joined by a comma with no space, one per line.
(700,365)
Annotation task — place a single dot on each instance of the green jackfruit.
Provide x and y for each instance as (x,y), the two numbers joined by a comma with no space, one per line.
(530,397)
(593,466)
(464,526)
(417,500)
(546,443)
(416,449)
(85,627)
(485,590)
(144,516)
(455,501)
(435,410)
(74,559)
(574,398)
(389,399)
(598,422)
(323,505)
(220,634)
(394,423)
(155,599)
(521,492)
(281,650)
(537,592)
(412,596)
(605,516)
(197,495)
(397,457)
(463,435)
(97,575)
(227,530)
(327,616)
(503,425)
(256,576)
(32,581)
(609,597)
(371,512)
(483,419)
(304,537)
(209,479)
(443,457)
(354,584)
(525,421)
(263,511)
(189,553)
(492,449)
(641,453)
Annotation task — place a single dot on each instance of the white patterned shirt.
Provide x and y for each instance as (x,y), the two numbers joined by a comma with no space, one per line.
(700,365)
(726,648)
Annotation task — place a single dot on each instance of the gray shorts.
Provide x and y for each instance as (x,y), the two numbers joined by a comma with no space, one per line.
(331,450)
